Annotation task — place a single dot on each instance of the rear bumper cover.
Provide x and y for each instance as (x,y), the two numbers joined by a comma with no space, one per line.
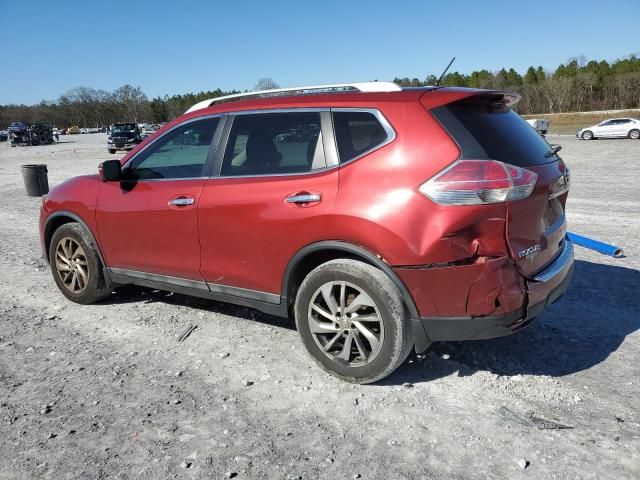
(547,287)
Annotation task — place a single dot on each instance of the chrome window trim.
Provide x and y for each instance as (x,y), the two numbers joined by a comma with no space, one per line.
(386,125)
(176,179)
(558,264)
(312,172)
(215,140)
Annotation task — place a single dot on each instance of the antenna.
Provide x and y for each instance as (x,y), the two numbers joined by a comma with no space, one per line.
(445,71)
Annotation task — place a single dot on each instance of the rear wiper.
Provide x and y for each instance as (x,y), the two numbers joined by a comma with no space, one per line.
(554,149)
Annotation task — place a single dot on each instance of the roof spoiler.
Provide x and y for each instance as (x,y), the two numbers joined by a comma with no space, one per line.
(473,97)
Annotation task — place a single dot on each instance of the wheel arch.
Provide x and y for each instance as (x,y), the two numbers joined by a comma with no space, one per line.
(56,220)
(311,256)
(315,254)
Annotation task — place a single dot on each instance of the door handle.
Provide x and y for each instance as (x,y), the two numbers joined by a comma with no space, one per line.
(181,201)
(300,198)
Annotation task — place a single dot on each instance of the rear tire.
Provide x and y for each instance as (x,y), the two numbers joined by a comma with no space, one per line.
(112,151)
(634,134)
(76,266)
(363,333)
(587,135)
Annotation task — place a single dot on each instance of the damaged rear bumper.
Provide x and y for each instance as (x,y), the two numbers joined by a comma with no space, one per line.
(517,300)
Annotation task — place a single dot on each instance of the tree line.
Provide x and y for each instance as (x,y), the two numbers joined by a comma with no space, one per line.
(576,85)
(87,107)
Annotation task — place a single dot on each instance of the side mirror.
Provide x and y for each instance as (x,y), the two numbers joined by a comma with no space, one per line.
(110,171)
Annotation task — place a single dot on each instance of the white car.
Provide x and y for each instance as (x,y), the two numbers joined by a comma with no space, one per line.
(613,128)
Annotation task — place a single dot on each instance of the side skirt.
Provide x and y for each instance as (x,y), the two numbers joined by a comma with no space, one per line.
(269,303)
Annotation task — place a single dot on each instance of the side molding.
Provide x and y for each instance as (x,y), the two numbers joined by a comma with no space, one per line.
(265,302)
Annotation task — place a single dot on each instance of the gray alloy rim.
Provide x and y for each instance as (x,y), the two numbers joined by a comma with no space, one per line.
(71,265)
(635,134)
(587,135)
(346,324)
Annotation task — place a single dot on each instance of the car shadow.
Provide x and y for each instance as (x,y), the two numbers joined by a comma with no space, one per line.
(134,293)
(578,332)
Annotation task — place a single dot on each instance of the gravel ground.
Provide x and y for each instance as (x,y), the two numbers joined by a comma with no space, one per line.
(105,391)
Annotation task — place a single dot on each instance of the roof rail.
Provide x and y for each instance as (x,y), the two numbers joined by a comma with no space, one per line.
(333,88)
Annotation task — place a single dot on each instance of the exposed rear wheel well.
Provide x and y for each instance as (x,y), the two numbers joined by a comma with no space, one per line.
(316,254)
(309,263)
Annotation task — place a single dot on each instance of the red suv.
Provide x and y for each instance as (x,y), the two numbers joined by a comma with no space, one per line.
(380,218)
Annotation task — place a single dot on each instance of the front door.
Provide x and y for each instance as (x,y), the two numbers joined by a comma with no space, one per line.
(148,222)
(605,129)
(275,188)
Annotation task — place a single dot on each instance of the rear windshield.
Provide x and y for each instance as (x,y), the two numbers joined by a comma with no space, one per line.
(484,131)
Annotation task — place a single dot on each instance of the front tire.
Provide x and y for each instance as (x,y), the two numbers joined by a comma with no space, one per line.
(76,266)
(634,134)
(352,321)
(112,151)
(587,135)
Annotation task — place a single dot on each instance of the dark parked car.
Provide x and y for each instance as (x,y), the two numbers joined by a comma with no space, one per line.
(123,136)
(380,219)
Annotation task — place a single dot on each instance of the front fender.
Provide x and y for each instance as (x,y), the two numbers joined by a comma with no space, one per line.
(74,200)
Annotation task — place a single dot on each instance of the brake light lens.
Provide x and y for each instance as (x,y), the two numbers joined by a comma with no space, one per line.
(479,182)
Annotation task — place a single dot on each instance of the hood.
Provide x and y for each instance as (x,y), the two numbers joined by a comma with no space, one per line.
(126,134)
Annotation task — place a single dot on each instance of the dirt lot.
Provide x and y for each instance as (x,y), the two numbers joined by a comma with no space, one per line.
(105,391)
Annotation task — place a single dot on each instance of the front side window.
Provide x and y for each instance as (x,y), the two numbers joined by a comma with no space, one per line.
(274,144)
(181,153)
(357,133)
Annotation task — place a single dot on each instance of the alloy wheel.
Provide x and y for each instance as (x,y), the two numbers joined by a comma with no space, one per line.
(346,323)
(71,265)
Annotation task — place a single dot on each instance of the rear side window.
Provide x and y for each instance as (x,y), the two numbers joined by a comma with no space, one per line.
(357,133)
(484,131)
(274,144)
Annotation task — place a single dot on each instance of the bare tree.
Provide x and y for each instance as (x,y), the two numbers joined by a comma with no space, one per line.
(266,83)
(132,101)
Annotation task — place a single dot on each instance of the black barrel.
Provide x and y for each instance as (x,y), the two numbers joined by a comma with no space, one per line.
(36,180)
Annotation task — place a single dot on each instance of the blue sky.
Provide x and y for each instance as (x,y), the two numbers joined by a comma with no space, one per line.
(181,46)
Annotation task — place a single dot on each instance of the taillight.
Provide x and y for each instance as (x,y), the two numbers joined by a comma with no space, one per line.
(479,182)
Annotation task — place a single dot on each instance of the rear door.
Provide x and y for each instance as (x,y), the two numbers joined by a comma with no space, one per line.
(621,127)
(535,227)
(278,179)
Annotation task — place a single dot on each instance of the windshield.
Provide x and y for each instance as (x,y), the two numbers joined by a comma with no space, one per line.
(128,128)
